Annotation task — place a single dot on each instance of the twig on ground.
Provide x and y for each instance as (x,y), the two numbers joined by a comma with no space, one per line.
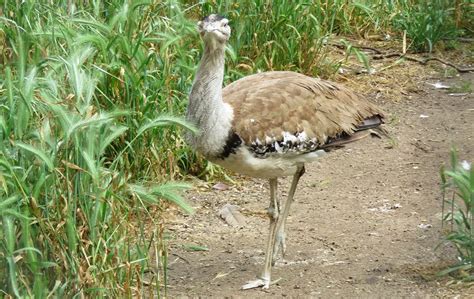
(356,46)
(423,61)
(182,258)
(381,55)
(461,39)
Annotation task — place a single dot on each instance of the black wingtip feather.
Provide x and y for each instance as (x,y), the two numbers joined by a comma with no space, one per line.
(370,123)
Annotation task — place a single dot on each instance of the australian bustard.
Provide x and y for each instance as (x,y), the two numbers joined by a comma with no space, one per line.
(270,124)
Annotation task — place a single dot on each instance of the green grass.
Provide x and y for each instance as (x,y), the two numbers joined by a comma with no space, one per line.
(86,127)
(90,133)
(458,213)
(461,87)
(427,22)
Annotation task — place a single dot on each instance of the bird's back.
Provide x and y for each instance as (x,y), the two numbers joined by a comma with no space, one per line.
(287,111)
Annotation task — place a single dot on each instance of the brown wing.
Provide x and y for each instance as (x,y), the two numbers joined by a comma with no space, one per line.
(270,103)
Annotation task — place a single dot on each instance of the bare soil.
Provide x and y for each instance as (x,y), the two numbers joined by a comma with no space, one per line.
(366,220)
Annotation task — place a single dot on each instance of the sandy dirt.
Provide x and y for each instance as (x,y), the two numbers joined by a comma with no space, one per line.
(365,223)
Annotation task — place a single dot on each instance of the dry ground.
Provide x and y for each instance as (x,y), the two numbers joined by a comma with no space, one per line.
(365,222)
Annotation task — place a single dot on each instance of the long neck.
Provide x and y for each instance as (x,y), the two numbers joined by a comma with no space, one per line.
(207,86)
(206,108)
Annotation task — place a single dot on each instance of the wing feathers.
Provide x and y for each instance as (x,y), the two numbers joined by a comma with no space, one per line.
(267,105)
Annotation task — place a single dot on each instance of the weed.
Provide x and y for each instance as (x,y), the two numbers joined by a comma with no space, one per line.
(80,107)
(459,182)
(461,87)
(426,22)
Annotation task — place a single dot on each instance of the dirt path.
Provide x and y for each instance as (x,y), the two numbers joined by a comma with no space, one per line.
(365,222)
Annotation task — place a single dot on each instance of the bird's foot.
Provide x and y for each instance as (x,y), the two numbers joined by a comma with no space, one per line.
(261,282)
(280,245)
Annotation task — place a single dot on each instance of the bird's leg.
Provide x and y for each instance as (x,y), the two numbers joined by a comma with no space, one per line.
(273,214)
(280,227)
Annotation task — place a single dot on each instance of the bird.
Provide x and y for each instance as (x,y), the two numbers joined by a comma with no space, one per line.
(269,125)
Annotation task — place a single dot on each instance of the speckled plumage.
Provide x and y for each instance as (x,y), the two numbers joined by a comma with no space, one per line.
(280,112)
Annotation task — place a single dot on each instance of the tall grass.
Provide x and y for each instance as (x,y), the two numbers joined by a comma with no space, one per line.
(427,22)
(458,213)
(293,35)
(89,138)
(284,35)
(274,35)
(86,103)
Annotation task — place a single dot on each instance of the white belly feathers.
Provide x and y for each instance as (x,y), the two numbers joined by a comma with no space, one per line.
(272,166)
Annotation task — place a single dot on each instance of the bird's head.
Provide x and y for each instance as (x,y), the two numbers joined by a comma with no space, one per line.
(214,29)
